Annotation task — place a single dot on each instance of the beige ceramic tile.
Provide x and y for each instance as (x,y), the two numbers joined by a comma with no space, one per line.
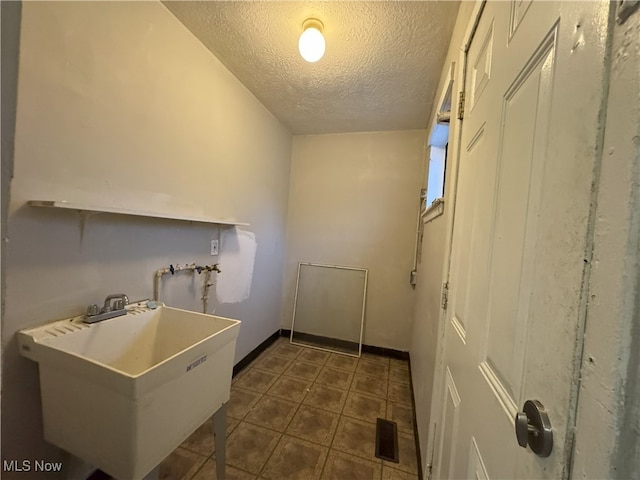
(356,437)
(290,388)
(273,363)
(406,454)
(399,374)
(181,464)
(364,407)
(393,474)
(241,402)
(399,393)
(249,447)
(335,378)
(314,425)
(373,368)
(286,349)
(371,357)
(402,415)
(201,441)
(232,423)
(369,385)
(399,363)
(208,472)
(303,370)
(325,397)
(342,362)
(295,459)
(272,412)
(256,380)
(241,373)
(341,466)
(312,355)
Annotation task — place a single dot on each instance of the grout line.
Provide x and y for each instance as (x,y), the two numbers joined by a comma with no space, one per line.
(270,455)
(340,416)
(241,469)
(290,420)
(198,470)
(388,392)
(211,456)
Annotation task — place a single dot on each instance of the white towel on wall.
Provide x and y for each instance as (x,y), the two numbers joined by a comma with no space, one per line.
(236,260)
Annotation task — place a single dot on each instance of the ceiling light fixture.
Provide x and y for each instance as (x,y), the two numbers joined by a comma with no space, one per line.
(311,43)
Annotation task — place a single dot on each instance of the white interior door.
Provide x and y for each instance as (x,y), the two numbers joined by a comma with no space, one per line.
(534,75)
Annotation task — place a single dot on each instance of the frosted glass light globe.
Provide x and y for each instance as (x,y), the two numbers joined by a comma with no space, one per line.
(311,44)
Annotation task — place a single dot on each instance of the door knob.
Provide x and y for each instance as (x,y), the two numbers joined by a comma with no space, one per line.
(533,428)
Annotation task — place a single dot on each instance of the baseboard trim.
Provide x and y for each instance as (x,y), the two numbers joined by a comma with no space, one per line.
(328,342)
(382,351)
(386,352)
(253,354)
(415,423)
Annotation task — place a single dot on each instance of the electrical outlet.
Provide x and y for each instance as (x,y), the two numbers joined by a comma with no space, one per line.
(214,247)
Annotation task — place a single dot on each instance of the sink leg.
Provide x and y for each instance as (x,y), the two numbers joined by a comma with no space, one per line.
(220,439)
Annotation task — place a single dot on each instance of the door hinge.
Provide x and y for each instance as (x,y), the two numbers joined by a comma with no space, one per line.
(461,106)
(429,471)
(445,295)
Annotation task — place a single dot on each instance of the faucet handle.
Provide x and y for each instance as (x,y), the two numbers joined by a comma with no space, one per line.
(92,310)
(118,305)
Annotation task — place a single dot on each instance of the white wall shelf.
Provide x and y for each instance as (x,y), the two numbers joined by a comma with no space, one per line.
(81,207)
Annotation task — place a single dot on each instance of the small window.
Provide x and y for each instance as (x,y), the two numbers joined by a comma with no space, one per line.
(437,169)
(438,143)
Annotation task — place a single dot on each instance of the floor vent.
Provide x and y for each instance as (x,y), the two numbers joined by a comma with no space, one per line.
(387,440)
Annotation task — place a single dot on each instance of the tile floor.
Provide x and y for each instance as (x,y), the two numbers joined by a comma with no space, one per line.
(298,413)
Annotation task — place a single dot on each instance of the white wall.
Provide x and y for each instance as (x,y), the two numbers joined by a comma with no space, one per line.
(354,201)
(434,250)
(118,104)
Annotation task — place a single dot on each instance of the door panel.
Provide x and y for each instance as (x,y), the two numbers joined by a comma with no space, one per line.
(534,89)
(481,72)
(477,470)
(519,9)
(521,161)
(449,428)
(469,199)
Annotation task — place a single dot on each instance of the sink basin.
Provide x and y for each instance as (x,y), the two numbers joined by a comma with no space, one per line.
(123,393)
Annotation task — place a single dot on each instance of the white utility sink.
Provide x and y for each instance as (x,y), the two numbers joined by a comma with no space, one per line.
(123,393)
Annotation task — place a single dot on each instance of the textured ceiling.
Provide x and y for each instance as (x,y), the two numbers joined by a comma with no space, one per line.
(380,70)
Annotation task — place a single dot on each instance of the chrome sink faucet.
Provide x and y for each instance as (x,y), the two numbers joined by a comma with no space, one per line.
(121,300)
(114,306)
